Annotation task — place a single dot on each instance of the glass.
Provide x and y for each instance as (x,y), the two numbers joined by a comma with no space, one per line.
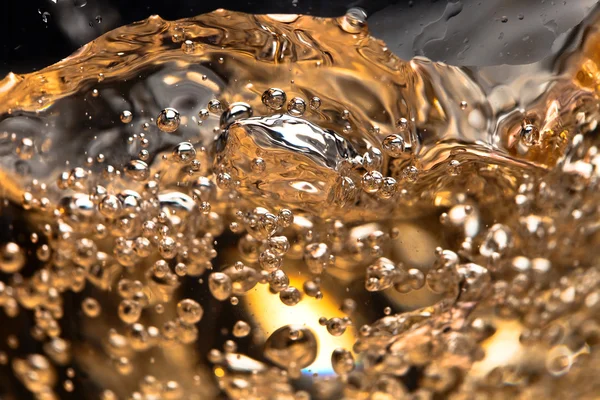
(395,201)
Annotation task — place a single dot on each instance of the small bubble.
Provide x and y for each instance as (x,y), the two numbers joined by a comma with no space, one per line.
(129,311)
(91,307)
(410,174)
(68,385)
(274,98)
(144,155)
(203,114)
(12,258)
(214,106)
(278,280)
(126,116)
(354,21)
(189,311)
(234,112)
(291,347)
(463,105)
(504,19)
(241,329)
(258,165)
(220,285)
(393,146)
(315,103)
(25,149)
(342,361)
(349,306)
(137,170)
(168,120)
(529,134)
(110,206)
(372,181)
(290,296)
(184,153)
(454,168)
(188,46)
(336,326)
(296,107)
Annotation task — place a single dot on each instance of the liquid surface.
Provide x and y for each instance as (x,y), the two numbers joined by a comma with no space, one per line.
(277,207)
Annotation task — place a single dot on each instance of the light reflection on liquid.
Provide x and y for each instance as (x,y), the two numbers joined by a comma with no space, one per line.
(270,314)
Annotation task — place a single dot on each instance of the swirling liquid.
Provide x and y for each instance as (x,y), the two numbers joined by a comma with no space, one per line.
(276,207)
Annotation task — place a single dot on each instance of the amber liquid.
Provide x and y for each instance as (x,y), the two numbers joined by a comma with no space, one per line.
(277,207)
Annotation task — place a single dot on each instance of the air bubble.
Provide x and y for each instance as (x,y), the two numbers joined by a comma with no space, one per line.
(126,116)
(296,107)
(189,311)
(274,98)
(168,120)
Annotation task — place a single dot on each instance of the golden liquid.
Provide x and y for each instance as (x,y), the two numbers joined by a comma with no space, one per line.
(276,207)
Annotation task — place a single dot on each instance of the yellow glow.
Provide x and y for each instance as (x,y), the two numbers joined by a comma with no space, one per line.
(171,79)
(219,372)
(502,348)
(270,314)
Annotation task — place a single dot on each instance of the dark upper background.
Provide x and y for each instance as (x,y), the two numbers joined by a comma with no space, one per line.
(465,32)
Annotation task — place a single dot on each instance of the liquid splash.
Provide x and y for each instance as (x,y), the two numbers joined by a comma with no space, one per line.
(340,223)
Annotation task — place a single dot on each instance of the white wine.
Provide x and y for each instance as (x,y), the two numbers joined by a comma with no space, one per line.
(277,207)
